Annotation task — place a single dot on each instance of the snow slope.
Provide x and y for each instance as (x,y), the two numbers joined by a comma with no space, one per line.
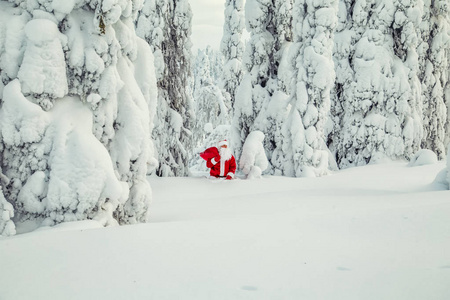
(373,232)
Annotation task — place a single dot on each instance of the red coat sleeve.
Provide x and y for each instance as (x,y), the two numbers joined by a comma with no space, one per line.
(209,163)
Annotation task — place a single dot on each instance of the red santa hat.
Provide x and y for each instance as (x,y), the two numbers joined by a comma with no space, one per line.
(223,142)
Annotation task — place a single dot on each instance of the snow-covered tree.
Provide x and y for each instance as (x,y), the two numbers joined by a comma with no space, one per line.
(407,46)
(207,69)
(304,152)
(232,46)
(216,65)
(447,102)
(166,26)
(343,51)
(448,167)
(259,99)
(435,76)
(151,25)
(7,226)
(211,105)
(381,105)
(77,90)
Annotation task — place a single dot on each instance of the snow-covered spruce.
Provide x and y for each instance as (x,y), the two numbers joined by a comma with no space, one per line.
(85,155)
(343,49)
(211,105)
(151,25)
(448,166)
(303,150)
(166,26)
(381,106)
(7,226)
(258,104)
(232,47)
(407,46)
(435,77)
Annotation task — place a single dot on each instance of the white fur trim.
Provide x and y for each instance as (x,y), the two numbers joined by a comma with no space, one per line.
(224,142)
(213,161)
(222,166)
(230,174)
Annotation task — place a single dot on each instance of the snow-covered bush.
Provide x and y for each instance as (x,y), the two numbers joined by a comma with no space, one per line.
(78,99)
(253,159)
(448,166)
(423,157)
(443,177)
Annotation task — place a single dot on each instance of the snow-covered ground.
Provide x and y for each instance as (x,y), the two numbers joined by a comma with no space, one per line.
(373,232)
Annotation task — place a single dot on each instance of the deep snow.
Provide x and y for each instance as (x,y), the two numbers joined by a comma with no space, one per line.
(373,232)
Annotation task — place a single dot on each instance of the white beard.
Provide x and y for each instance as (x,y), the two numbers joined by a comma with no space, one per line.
(225,154)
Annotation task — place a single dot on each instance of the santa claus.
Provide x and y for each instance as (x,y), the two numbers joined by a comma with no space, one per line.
(220,161)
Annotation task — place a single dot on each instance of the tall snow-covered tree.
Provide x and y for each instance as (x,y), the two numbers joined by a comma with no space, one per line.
(211,102)
(166,26)
(216,63)
(232,46)
(151,25)
(259,103)
(304,149)
(381,106)
(7,226)
(435,77)
(207,68)
(211,106)
(447,102)
(75,123)
(343,51)
(407,44)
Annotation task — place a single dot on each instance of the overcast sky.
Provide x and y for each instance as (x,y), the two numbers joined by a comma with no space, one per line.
(207,23)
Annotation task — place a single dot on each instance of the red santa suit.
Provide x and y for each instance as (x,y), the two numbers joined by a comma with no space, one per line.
(221,165)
